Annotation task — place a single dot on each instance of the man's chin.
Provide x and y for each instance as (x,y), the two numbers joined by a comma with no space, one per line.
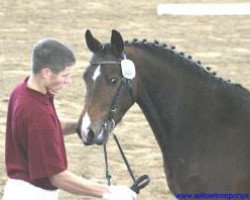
(53,91)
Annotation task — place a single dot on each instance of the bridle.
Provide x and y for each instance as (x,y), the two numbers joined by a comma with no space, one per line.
(124,82)
(144,180)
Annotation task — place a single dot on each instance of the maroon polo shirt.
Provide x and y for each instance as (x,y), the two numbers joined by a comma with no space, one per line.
(34,148)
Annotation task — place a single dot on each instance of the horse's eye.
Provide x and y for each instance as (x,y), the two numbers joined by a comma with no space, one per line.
(113,80)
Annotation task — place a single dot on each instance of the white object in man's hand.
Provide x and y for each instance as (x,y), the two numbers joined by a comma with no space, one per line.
(119,193)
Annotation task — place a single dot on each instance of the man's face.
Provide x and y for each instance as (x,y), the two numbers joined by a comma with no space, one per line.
(55,82)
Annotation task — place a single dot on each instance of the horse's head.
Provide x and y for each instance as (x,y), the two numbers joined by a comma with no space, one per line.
(110,82)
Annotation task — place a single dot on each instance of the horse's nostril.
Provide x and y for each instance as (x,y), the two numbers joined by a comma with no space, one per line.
(88,137)
(91,135)
(102,136)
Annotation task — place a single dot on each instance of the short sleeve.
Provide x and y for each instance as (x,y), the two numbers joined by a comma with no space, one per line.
(46,150)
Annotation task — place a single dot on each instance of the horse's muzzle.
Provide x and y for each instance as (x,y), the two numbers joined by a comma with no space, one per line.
(103,134)
(89,137)
(86,137)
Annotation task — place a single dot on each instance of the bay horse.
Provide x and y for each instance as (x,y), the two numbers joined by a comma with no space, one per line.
(201,122)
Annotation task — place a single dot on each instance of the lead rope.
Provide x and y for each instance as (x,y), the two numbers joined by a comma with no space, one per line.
(108,175)
(138,184)
(124,158)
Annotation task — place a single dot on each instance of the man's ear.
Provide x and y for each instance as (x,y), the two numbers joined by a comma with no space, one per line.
(46,73)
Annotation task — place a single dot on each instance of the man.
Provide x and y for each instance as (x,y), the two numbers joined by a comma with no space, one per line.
(36,162)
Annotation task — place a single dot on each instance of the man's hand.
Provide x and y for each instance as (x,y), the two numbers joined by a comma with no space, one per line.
(68,125)
(119,193)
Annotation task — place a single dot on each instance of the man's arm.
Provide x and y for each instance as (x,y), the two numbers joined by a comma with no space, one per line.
(68,125)
(76,185)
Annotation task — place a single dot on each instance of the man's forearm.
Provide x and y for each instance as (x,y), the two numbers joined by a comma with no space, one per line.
(76,185)
(68,125)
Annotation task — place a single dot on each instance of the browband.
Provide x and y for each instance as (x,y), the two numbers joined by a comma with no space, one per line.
(109,62)
(105,62)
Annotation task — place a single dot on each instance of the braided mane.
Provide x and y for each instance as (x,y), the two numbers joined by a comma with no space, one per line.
(163,47)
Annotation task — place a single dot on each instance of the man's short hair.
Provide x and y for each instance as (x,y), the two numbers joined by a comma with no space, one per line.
(51,53)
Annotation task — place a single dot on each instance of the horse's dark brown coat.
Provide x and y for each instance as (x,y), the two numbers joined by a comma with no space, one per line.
(201,122)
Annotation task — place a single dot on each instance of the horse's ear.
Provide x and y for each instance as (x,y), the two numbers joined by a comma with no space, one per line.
(117,41)
(92,43)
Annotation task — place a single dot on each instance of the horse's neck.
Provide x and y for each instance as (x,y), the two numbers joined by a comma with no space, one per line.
(153,116)
(163,85)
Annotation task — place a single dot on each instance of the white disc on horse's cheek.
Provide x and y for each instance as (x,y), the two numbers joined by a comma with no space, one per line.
(128,69)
